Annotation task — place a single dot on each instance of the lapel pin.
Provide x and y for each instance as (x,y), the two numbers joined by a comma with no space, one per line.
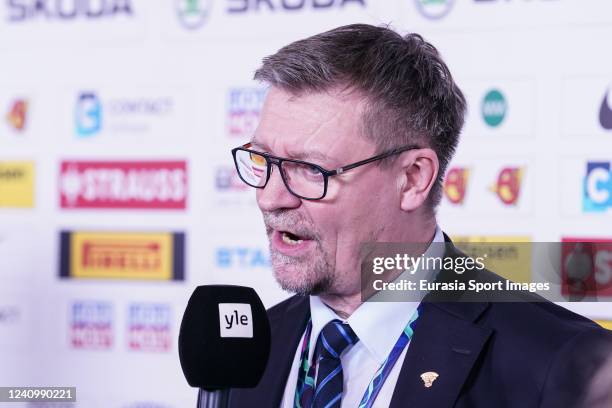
(428,378)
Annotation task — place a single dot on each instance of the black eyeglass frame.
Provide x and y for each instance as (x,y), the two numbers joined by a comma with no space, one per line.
(271,159)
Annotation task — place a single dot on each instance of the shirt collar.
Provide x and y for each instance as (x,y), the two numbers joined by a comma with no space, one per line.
(320,315)
(372,321)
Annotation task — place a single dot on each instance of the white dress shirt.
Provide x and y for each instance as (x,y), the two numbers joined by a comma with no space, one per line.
(378,326)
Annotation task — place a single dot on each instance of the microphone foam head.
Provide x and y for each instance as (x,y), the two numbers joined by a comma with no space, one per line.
(224,340)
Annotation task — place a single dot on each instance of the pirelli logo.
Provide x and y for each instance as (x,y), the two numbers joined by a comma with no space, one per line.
(122,255)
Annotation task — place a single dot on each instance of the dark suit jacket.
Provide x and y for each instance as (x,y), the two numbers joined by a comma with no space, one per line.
(487,354)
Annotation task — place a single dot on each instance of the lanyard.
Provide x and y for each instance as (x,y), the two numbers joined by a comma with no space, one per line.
(304,379)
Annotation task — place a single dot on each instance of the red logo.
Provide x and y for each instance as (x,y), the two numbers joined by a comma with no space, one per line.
(17,115)
(127,185)
(508,185)
(586,267)
(455,184)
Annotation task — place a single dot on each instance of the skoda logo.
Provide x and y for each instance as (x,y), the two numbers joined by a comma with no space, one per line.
(193,13)
(434,9)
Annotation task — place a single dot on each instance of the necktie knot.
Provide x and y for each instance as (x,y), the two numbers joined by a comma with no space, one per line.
(336,337)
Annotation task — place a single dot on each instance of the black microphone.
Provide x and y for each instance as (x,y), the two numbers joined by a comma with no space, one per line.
(224,341)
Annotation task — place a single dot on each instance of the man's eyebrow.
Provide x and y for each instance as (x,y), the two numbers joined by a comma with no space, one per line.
(309,154)
(305,155)
(255,143)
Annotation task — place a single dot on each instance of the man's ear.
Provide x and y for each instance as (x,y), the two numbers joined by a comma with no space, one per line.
(418,173)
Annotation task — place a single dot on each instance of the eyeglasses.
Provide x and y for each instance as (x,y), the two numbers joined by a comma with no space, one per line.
(303,179)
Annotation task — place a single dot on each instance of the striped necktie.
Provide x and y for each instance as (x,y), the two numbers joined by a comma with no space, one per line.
(333,340)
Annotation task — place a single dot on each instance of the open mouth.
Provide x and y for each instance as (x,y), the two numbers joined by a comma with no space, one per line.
(290,238)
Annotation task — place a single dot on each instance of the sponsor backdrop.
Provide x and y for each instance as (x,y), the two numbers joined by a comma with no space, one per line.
(118,194)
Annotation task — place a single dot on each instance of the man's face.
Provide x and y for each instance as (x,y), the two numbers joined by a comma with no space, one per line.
(315,244)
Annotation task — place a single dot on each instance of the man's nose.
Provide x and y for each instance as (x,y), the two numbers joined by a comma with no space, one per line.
(275,194)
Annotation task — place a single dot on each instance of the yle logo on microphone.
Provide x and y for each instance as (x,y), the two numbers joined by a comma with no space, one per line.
(235,320)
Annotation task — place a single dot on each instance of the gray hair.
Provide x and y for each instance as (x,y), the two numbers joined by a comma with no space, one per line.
(410,93)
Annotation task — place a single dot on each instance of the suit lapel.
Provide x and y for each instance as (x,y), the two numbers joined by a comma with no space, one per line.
(444,344)
(287,329)
(445,341)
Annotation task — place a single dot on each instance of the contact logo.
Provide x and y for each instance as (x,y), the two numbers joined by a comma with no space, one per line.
(88,114)
(434,9)
(120,114)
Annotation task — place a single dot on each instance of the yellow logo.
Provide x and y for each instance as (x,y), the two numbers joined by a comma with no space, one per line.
(17,184)
(508,256)
(122,255)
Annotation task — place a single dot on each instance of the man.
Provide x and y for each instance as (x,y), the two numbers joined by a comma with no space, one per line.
(356,132)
